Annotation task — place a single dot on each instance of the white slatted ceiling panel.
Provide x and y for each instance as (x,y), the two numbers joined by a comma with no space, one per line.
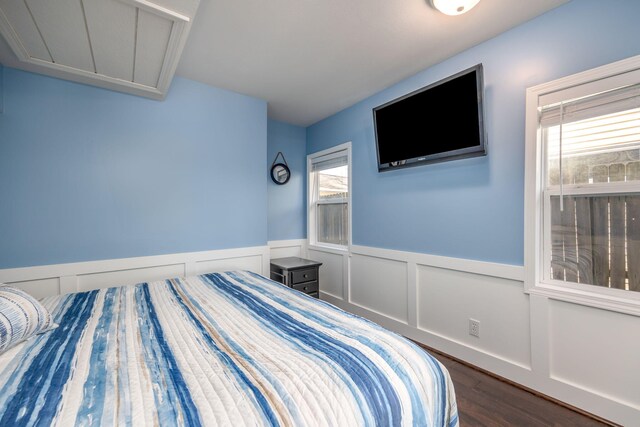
(26,30)
(112,26)
(63,28)
(153,40)
(128,45)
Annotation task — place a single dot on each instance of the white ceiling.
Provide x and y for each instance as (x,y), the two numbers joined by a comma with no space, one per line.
(311,58)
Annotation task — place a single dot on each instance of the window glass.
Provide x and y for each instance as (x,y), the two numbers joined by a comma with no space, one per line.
(333,183)
(595,240)
(329,199)
(600,149)
(593,235)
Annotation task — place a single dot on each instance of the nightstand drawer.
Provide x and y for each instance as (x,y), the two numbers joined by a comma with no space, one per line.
(306,275)
(307,288)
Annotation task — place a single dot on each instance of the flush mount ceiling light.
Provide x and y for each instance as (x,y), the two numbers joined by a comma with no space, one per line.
(454,7)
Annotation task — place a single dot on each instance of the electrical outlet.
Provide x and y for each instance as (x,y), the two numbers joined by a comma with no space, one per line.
(474,327)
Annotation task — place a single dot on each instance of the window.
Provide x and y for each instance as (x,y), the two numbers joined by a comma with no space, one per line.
(329,197)
(583,186)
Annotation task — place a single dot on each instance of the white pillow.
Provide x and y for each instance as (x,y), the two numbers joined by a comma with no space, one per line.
(21,317)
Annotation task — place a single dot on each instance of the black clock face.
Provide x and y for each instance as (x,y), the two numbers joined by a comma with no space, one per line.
(280,173)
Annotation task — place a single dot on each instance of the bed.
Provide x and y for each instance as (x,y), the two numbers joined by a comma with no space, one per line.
(228,348)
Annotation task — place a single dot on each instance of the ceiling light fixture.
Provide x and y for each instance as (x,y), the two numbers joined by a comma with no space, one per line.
(454,7)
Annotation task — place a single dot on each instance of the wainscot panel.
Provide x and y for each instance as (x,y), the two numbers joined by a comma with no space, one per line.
(251,263)
(332,271)
(380,285)
(288,248)
(48,280)
(88,282)
(581,338)
(447,299)
(39,288)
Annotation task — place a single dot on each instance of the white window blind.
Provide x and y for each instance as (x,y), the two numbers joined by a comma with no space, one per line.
(331,161)
(609,102)
(604,122)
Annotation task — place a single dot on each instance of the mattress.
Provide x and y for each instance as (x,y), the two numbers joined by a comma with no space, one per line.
(228,349)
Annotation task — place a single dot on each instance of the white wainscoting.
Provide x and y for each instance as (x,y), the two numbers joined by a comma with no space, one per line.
(380,284)
(48,280)
(288,248)
(333,272)
(583,356)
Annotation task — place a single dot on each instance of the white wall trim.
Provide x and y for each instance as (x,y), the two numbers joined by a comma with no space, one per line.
(68,277)
(327,249)
(505,271)
(516,327)
(158,10)
(287,248)
(287,243)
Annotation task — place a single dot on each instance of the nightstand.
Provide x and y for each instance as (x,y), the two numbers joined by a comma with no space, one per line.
(297,273)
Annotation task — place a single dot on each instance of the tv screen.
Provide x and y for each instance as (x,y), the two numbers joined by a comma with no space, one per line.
(443,121)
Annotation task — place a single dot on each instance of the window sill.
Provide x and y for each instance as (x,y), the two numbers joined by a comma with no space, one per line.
(329,248)
(629,305)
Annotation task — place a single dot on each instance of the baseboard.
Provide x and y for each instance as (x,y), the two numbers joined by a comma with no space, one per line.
(49,280)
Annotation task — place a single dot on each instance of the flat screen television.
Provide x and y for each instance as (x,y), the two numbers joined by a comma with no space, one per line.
(440,122)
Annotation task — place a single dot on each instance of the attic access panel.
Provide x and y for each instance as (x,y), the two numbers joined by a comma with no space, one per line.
(130,46)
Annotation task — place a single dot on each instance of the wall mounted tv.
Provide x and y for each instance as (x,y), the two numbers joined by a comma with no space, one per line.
(440,122)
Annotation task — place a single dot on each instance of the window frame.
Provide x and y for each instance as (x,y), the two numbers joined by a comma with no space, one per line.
(311,210)
(585,83)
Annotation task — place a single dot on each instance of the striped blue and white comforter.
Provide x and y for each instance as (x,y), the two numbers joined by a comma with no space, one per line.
(220,349)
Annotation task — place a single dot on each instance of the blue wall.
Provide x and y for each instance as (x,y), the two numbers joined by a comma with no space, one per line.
(474,208)
(287,203)
(1,88)
(89,174)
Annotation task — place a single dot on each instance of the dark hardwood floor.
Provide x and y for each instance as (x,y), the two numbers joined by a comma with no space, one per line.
(484,400)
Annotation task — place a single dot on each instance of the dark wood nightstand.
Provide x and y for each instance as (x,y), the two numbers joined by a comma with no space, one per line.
(297,273)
